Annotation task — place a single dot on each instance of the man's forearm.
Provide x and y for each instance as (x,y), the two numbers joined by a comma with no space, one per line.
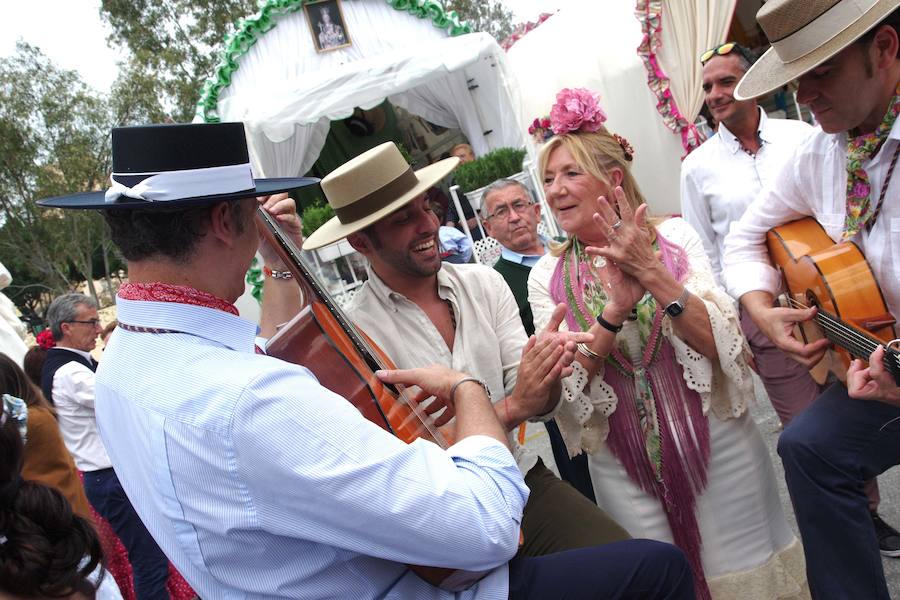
(475,415)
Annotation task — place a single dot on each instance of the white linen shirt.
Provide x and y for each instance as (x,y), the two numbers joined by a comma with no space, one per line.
(813,182)
(73,396)
(719,179)
(259,483)
(489,332)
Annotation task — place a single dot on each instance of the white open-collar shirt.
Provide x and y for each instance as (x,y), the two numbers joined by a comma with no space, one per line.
(719,179)
(813,182)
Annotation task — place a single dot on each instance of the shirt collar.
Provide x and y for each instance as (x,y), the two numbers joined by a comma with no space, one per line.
(730,140)
(209,323)
(385,293)
(86,355)
(530,259)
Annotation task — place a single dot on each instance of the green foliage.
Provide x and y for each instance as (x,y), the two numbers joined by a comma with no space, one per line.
(315,215)
(483,171)
(490,16)
(174,44)
(54,139)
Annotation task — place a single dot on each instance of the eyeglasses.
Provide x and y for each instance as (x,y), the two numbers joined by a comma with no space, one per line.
(724,49)
(505,210)
(94,322)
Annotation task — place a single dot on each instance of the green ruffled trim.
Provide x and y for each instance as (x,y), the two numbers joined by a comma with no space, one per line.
(255,279)
(250,30)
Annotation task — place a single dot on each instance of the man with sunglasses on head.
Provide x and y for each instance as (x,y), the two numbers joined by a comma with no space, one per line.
(844,56)
(67,380)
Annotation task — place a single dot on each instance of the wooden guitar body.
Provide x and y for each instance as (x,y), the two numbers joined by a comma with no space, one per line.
(837,279)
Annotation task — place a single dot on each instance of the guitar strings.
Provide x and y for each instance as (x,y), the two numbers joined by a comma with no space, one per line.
(850,338)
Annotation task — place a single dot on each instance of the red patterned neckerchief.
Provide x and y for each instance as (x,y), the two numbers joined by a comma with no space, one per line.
(166,292)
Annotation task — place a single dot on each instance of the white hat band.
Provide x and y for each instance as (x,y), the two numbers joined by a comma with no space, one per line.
(827,25)
(178,185)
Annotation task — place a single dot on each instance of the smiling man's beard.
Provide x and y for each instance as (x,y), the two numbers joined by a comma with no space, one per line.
(405,261)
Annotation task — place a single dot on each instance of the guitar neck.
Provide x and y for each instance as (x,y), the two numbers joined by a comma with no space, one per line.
(855,341)
(290,253)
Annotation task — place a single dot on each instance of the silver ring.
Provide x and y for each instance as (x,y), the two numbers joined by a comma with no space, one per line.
(617,224)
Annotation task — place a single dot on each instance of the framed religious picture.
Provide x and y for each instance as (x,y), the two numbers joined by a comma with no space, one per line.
(326,24)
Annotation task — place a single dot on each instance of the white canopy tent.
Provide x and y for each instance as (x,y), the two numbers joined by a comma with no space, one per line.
(594,45)
(286,93)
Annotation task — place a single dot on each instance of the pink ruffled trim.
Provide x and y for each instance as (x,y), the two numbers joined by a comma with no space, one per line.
(649,14)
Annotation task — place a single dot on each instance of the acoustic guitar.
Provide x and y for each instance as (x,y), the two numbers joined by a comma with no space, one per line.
(837,280)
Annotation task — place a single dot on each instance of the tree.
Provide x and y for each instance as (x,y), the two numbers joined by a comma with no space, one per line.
(174,44)
(54,140)
(490,16)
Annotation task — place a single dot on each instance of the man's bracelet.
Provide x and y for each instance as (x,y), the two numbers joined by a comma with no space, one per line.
(607,325)
(277,274)
(483,385)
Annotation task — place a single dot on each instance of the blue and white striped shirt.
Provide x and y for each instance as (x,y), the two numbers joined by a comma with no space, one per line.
(259,483)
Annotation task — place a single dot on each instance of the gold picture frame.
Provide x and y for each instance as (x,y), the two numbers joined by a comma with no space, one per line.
(327,25)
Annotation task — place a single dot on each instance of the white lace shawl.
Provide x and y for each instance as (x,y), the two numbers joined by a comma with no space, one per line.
(725,385)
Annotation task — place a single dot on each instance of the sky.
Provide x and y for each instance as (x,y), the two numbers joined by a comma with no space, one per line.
(69,32)
(72,34)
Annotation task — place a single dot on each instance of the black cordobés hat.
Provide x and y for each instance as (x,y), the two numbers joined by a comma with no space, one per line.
(174,166)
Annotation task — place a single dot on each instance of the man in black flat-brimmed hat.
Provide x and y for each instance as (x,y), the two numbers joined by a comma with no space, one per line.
(844,55)
(255,480)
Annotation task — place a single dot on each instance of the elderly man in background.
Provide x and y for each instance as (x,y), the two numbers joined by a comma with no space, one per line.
(67,381)
(511,217)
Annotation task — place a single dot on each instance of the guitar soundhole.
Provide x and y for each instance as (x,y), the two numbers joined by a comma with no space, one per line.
(811,299)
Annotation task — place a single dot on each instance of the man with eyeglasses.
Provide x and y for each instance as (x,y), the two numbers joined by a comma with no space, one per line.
(511,218)
(67,380)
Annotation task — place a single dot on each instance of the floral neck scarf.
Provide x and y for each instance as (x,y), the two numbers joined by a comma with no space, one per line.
(859,149)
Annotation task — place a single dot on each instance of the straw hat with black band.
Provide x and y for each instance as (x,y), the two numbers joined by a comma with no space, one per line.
(804,34)
(369,188)
(160,167)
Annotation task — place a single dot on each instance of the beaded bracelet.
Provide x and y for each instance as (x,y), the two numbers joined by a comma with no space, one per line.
(277,274)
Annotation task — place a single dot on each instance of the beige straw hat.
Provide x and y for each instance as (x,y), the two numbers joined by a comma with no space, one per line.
(804,34)
(370,187)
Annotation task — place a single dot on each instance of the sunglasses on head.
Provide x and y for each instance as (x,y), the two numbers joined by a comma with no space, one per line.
(722,50)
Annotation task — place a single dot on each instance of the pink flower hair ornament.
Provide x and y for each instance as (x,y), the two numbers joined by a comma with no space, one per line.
(576,109)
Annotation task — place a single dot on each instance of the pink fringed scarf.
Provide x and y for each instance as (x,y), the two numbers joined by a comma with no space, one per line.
(679,473)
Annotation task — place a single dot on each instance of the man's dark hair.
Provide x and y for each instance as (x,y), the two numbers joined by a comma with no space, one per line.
(892,20)
(172,234)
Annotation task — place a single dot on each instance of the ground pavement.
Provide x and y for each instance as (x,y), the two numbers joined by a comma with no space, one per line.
(769,426)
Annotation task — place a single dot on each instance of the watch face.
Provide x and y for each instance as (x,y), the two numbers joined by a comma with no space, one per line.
(674,309)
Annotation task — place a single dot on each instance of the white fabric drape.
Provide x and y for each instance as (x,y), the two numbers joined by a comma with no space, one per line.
(688,28)
(593,45)
(12,330)
(286,93)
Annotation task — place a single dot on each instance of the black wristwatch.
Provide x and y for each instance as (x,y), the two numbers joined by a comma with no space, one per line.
(673,309)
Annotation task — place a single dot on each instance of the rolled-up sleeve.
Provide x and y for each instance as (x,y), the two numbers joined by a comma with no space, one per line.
(747,267)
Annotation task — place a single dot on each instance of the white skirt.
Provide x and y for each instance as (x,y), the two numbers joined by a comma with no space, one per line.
(749,550)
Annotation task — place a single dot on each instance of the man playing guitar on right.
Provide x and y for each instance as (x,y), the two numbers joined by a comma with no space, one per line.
(844,54)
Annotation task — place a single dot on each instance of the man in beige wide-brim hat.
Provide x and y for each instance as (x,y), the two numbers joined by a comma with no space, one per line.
(422,311)
(844,55)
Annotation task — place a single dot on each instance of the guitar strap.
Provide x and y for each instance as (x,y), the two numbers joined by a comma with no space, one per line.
(884,187)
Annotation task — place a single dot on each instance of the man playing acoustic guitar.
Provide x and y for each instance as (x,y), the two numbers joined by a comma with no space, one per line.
(845,56)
